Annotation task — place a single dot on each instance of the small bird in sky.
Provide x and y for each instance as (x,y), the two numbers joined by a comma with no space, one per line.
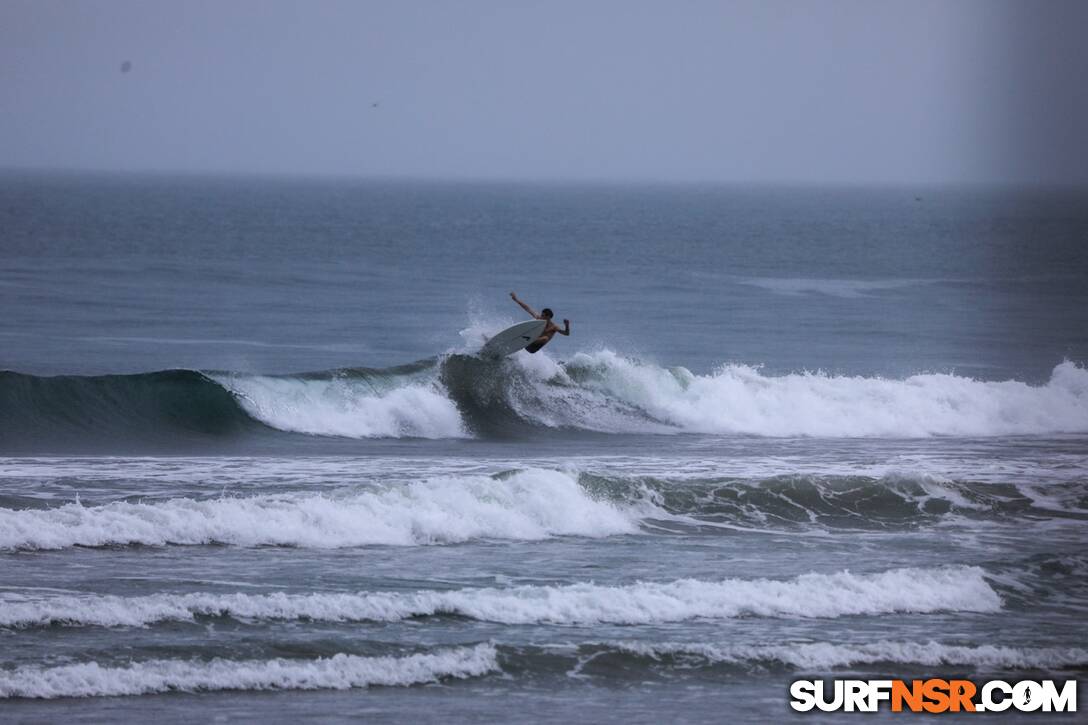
(126,66)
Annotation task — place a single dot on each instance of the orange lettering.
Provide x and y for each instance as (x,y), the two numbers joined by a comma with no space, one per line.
(936,692)
(913,696)
(961,692)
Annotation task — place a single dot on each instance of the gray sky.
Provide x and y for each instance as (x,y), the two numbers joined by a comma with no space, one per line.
(847,91)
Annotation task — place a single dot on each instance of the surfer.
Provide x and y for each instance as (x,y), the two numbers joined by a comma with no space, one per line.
(549,330)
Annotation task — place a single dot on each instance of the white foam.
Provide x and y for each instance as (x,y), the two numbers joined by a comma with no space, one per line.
(528,505)
(349,407)
(1054,498)
(623,395)
(146,475)
(810,595)
(339,672)
(482,326)
(740,399)
(826,655)
(935,487)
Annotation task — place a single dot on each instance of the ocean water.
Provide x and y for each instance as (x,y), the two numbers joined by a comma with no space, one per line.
(250,468)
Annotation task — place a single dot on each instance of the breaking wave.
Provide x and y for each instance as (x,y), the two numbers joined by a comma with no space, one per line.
(895,501)
(611,659)
(526,505)
(916,590)
(617,661)
(533,504)
(339,672)
(457,396)
(822,656)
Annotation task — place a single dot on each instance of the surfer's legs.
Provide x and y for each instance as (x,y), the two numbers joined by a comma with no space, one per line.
(537,344)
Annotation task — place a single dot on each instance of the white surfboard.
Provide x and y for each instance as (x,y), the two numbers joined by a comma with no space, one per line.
(513,339)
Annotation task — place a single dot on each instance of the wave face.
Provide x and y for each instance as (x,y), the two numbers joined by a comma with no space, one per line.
(895,501)
(914,590)
(457,396)
(156,406)
(339,672)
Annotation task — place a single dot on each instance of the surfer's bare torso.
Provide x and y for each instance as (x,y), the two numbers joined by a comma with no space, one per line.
(550,329)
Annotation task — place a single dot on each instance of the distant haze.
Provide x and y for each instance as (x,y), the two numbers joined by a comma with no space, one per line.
(855,92)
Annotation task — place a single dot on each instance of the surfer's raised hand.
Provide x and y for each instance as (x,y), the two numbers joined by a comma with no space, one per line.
(527,308)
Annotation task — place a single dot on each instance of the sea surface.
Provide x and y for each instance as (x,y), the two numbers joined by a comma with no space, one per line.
(251,469)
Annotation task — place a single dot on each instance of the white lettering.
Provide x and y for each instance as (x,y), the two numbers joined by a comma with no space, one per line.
(855,695)
(1027,696)
(878,690)
(996,705)
(833,704)
(1064,701)
(803,694)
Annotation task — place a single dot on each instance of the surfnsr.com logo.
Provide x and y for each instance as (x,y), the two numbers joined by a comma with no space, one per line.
(934,695)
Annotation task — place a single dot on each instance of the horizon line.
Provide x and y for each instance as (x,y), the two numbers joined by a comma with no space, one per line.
(543,180)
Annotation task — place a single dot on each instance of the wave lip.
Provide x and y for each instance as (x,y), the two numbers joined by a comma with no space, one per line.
(530,505)
(339,672)
(810,595)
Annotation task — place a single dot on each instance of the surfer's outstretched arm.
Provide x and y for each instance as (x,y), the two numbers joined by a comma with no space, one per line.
(524,306)
(566,328)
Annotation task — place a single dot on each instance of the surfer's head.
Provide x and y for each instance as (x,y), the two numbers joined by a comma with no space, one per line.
(547,313)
